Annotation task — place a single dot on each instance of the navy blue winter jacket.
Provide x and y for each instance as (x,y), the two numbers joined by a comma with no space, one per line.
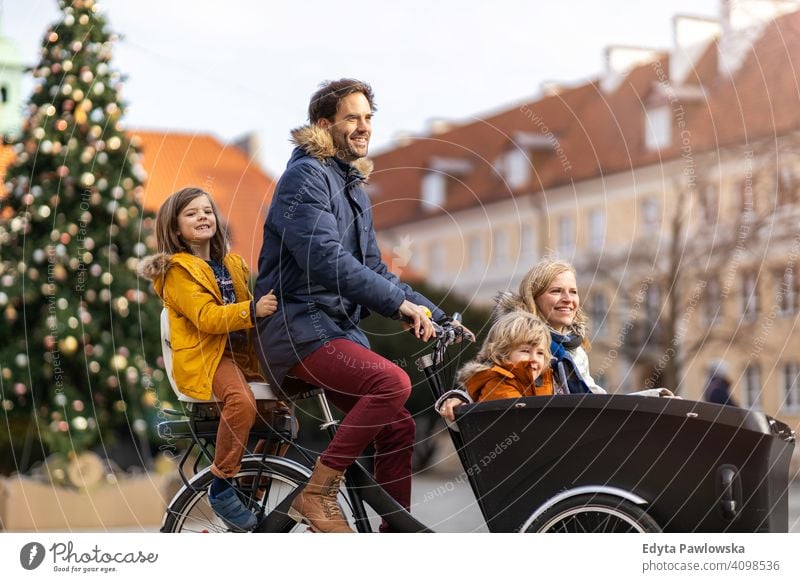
(321,257)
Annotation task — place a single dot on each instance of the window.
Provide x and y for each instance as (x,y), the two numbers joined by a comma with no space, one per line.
(790,401)
(658,127)
(598,311)
(499,247)
(3,94)
(652,304)
(527,242)
(516,168)
(405,255)
(651,212)
(712,306)
(436,261)
(787,185)
(787,291)
(566,236)
(434,190)
(752,386)
(597,229)
(749,297)
(711,203)
(475,249)
(748,201)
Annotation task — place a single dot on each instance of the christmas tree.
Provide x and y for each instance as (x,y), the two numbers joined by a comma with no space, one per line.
(80,356)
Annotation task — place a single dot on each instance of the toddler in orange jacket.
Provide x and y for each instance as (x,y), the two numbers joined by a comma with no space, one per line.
(514,355)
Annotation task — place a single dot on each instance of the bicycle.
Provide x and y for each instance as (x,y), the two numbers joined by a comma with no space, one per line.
(575,462)
(267,483)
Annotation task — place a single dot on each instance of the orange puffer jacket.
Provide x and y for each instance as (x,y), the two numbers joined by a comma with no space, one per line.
(498,382)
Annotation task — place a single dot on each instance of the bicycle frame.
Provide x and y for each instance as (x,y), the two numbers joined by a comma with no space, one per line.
(360,488)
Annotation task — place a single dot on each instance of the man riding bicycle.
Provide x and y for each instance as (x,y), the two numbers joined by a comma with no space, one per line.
(321,257)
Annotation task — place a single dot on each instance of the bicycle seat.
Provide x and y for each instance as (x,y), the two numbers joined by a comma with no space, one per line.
(261,390)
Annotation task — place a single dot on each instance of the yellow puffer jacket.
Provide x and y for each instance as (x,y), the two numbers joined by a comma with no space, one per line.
(199,321)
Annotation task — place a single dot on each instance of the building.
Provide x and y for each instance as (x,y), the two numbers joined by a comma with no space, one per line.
(670,181)
(241,189)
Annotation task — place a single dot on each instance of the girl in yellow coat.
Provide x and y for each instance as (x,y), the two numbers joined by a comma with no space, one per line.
(211,311)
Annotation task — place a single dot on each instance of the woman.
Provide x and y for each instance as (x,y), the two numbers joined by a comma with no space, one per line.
(550,291)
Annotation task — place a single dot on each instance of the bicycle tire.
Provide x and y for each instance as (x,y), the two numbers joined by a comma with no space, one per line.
(594,513)
(189,510)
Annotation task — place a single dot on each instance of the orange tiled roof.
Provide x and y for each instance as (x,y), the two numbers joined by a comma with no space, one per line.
(397,173)
(241,189)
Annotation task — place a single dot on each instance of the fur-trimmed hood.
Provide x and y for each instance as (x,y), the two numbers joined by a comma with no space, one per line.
(318,143)
(154,266)
(507,302)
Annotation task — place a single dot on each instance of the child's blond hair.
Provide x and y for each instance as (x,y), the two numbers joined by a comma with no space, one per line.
(508,332)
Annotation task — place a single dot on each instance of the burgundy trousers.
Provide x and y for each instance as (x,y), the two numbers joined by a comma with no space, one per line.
(372,391)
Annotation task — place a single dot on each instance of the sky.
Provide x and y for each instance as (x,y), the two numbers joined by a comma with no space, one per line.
(238,66)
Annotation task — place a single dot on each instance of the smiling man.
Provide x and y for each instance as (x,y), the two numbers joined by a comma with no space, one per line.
(321,257)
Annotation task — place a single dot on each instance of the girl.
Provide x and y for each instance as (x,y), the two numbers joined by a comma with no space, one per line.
(210,312)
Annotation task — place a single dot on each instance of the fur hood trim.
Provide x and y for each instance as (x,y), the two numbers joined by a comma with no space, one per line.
(507,302)
(154,266)
(318,144)
(470,369)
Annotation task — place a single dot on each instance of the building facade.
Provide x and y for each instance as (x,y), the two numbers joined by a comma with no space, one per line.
(670,182)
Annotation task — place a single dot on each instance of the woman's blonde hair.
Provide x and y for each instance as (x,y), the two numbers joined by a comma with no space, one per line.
(538,280)
(167,238)
(508,333)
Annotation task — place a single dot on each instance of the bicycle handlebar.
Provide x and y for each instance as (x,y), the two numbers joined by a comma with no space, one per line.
(448,331)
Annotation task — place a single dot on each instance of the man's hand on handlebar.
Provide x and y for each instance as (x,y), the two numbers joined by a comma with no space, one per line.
(418,317)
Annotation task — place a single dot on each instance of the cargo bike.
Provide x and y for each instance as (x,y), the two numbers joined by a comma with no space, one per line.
(565,463)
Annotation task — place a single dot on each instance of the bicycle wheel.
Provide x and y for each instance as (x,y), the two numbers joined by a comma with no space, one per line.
(189,510)
(594,514)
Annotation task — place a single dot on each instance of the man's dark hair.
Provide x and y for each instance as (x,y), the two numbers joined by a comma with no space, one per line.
(325,102)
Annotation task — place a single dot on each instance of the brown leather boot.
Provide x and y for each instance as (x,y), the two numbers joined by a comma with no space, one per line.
(316,504)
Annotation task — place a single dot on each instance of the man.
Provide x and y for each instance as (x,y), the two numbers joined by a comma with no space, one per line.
(321,257)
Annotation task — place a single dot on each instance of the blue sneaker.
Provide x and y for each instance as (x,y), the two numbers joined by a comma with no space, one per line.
(230,509)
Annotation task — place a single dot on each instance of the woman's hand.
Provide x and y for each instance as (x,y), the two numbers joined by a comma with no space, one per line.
(267,305)
(446,409)
(420,319)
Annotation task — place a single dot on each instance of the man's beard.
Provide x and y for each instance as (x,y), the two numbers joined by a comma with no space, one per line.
(344,150)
